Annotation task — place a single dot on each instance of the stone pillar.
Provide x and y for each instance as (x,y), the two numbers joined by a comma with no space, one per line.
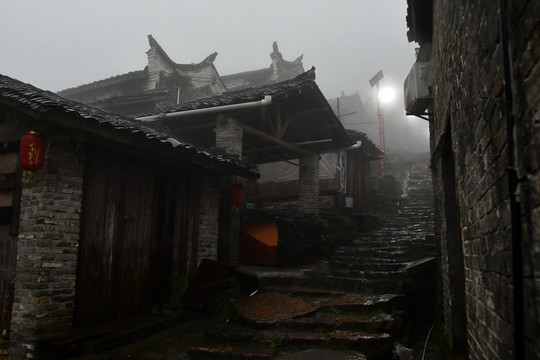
(229,138)
(308,185)
(229,133)
(47,252)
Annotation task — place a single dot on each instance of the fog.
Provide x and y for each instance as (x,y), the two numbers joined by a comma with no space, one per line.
(57,44)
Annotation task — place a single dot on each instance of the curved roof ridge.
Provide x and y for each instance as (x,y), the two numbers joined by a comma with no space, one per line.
(209,60)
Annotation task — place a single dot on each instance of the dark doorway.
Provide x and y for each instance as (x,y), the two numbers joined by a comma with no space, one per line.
(454,246)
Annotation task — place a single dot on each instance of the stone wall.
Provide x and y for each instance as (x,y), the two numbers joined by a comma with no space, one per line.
(470,110)
(47,252)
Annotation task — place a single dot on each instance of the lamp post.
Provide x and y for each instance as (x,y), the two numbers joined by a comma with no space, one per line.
(374,81)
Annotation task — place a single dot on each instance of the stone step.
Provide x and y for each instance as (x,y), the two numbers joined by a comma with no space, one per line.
(366,265)
(337,320)
(374,345)
(360,303)
(229,352)
(343,283)
(270,308)
(396,254)
(273,309)
(208,353)
(321,354)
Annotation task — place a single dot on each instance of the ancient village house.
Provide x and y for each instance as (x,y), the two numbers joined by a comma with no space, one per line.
(279,123)
(116,223)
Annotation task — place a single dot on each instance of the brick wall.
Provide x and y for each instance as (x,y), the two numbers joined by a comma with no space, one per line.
(47,252)
(229,135)
(308,185)
(524,22)
(208,219)
(470,103)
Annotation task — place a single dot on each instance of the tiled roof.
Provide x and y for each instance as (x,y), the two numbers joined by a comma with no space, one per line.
(313,124)
(24,95)
(138,74)
(306,79)
(367,145)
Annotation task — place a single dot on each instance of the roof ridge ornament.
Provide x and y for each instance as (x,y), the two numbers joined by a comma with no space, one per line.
(276,55)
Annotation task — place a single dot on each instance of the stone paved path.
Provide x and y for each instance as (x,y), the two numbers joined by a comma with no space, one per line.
(373,292)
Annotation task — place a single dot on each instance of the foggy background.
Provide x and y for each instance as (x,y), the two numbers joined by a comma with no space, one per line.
(58,44)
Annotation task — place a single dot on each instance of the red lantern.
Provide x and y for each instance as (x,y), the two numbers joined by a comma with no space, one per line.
(32,154)
(236,196)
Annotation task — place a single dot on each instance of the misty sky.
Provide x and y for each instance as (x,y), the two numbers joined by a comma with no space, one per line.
(57,44)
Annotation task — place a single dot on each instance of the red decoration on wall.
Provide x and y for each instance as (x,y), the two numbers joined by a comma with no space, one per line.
(236,196)
(32,154)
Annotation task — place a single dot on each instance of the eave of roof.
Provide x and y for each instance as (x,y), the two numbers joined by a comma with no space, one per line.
(306,79)
(313,123)
(15,93)
(138,74)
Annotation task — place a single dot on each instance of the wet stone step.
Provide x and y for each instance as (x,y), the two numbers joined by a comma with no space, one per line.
(352,284)
(379,255)
(379,345)
(338,321)
(370,265)
(371,274)
(289,311)
(321,300)
(360,303)
(229,352)
(321,354)
(272,307)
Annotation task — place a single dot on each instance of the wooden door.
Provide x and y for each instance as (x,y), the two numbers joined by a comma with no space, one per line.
(136,237)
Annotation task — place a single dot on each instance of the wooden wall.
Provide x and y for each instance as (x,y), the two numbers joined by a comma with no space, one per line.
(10,188)
(138,238)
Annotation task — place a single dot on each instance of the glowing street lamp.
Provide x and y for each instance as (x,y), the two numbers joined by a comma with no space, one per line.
(387,95)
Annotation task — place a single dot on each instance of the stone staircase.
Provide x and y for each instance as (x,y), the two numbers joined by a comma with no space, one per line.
(372,292)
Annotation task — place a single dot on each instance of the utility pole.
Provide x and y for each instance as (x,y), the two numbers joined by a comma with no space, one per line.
(374,81)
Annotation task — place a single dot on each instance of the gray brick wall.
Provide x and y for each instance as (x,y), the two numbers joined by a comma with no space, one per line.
(47,252)
(208,219)
(469,93)
(308,185)
(229,135)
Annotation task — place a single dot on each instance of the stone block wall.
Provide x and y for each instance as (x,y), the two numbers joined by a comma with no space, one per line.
(470,103)
(47,250)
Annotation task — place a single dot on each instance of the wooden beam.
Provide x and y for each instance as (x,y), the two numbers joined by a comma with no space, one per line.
(274,139)
(314,142)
